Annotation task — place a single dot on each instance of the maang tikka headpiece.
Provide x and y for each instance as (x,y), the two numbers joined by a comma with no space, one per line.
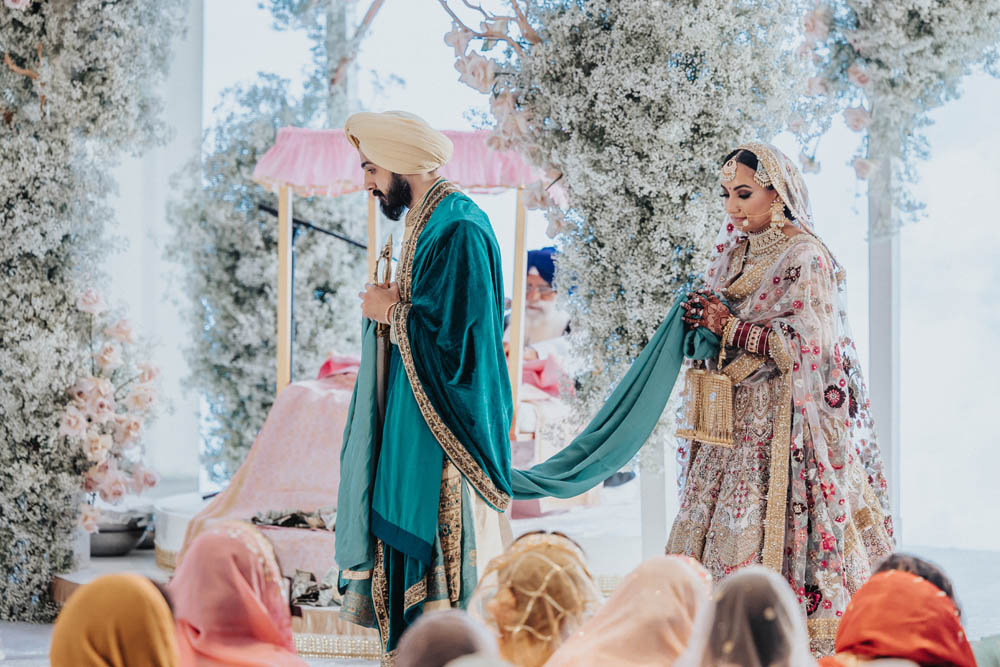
(760,176)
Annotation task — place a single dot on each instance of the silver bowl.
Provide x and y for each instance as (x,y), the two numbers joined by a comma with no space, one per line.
(117,539)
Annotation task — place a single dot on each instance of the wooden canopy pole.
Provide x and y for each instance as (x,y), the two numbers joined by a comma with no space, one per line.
(515,358)
(284,287)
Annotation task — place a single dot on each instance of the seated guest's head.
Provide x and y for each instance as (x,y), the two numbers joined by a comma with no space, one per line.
(535,595)
(228,600)
(647,621)
(897,614)
(117,620)
(754,620)
(543,319)
(923,569)
(438,637)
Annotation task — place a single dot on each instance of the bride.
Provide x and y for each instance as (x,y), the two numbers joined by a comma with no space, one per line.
(798,486)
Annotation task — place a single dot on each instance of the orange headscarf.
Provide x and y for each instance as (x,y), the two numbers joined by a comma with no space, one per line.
(228,602)
(120,620)
(900,615)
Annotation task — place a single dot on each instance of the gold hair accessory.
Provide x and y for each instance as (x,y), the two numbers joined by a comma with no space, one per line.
(708,400)
(761,177)
(729,170)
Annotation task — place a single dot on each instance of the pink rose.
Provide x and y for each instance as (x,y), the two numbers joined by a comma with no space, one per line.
(535,196)
(502,105)
(857,75)
(498,141)
(83,390)
(94,477)
(458,39)
(809,164)
(796,123)
(142,478)
(141,398)
(89,517)
(817,86)
(114,487)
(127,428)
(857,118)
(121,331)
(815,25)
(109,358)
(73,423)
(862,168)
(557,223)
(16,4)
(476,72)
(148,373)
(90,300)
(97,446)
(101,409)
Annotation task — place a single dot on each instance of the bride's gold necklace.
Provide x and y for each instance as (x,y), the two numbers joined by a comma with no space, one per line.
(766,241)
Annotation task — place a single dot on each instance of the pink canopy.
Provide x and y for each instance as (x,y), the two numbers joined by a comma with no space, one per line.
(325,163)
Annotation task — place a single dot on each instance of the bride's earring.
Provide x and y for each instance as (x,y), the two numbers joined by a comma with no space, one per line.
(778,218)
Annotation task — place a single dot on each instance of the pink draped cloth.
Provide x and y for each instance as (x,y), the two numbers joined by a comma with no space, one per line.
(338,365)
(648,620)
(293,465)
(325,163)
(546,374)
(228,603)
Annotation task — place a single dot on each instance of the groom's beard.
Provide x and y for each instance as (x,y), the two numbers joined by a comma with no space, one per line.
(396,199)
(543,321)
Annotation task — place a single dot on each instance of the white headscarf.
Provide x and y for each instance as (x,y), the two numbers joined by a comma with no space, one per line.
(753,620)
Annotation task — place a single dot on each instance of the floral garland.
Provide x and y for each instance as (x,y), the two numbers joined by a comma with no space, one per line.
(630,106)
(887,64)
(78,81)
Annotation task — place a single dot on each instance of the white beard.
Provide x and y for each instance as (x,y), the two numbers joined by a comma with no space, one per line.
(544,323)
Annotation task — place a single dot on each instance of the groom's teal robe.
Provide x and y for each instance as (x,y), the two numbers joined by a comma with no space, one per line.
(405,535)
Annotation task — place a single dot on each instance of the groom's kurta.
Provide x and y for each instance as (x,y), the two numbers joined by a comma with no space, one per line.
(407,514)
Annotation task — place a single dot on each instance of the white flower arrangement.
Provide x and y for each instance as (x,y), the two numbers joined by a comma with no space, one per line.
(888,63)
(76,89)
(630,106)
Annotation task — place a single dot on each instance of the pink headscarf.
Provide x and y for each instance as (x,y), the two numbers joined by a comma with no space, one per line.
(646,622)
(228,604)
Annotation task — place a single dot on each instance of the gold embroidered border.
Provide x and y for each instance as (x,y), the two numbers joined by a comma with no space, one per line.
(823,628)
(777,487)
(416,593)
(743,367)
(450,530)
(380,598)
(779,352)
(356,575)
(451,445)
(736,260)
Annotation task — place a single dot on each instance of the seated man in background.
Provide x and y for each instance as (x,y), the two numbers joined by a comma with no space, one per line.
(549,366)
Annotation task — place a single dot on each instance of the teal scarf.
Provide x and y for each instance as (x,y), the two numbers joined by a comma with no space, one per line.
(625,420)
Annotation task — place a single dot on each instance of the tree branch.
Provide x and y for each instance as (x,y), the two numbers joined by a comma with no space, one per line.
(489,34)
(359,34)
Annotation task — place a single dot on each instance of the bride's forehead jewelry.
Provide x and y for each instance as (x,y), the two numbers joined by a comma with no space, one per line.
(729,170)
(761,176)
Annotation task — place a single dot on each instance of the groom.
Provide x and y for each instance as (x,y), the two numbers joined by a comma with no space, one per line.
(420,513)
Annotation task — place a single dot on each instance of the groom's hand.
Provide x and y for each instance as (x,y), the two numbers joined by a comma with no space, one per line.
(375,301)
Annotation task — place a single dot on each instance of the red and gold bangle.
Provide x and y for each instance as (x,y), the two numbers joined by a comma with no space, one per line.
(751,337)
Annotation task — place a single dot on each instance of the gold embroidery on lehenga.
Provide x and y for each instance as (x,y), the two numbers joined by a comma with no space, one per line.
(743,366)
(451,445)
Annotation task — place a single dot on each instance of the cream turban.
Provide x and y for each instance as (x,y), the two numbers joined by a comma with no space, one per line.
(399,141)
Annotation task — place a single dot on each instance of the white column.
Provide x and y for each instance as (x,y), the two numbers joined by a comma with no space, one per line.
(653,493)
(883,324)
(140,273)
